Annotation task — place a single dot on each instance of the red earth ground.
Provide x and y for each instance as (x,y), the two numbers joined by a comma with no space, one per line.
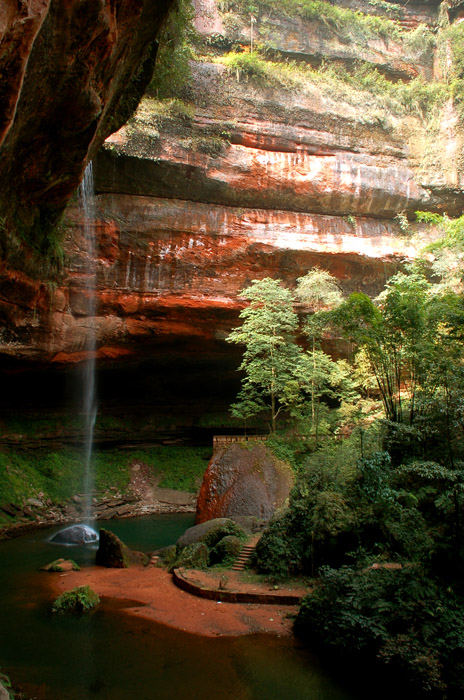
(151,594)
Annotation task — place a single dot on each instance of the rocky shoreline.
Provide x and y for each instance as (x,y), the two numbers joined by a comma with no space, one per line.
(38,514)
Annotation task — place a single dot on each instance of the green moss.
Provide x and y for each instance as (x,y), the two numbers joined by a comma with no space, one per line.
(59,475)
(216,534)
(226,550)
(79,600)
(194,556)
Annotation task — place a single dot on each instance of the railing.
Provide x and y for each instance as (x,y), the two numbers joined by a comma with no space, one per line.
(224,440)
(220,441)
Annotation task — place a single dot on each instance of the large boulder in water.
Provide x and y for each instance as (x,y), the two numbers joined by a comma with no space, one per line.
(242,481)
(75,535)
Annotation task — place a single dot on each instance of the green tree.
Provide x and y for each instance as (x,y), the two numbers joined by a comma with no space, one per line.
(318,290)
(271,354)
(397,336)
(172,70)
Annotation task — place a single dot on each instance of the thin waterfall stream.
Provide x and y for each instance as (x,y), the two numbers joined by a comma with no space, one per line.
(89,403)
(84,533)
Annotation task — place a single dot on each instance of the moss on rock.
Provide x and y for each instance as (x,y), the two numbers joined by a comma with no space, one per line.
(78,600)
(226,550)
(194,556)
(210,532)
(59,565)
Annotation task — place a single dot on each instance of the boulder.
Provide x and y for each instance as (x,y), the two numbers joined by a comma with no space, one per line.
(226,550)
(114,554)
(75,535)
(193,556)
(78,600)
(210,533)
(241,481)
(61,565)
(166,555)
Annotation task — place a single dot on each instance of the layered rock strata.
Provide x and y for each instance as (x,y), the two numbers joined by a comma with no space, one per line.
(242,179)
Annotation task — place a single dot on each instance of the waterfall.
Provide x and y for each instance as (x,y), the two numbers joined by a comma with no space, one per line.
(89,404)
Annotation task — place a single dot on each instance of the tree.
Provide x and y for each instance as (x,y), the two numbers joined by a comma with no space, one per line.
(411,336)
(318,373)
(271,354)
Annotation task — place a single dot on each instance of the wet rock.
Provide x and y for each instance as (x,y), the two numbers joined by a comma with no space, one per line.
(100,56)
(244,482)
(73,535)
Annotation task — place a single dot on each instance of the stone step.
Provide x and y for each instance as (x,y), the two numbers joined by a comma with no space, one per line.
(244,556)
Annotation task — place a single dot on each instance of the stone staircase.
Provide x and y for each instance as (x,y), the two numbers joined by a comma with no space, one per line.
(245,555)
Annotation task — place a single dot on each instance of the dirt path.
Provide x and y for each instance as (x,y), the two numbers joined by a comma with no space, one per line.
(151,594)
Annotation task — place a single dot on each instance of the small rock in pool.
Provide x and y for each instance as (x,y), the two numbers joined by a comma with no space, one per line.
(75,535)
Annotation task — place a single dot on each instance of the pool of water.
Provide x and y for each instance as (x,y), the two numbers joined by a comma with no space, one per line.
(112,656)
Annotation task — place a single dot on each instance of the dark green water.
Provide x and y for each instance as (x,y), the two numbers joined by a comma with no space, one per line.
(112,656)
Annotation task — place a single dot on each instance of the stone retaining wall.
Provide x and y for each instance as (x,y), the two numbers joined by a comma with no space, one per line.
(233,596)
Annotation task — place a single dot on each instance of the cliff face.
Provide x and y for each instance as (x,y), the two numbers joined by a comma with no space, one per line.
(71,72)
(261,170)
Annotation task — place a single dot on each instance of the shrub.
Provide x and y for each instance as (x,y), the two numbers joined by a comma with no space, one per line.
(399,619)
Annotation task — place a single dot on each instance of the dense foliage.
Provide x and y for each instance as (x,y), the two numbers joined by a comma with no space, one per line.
(378,517)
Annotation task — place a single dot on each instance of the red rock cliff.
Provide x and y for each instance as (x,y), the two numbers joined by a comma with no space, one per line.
(241,180)
(71,72)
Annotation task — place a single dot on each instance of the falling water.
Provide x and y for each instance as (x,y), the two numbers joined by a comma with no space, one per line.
(89,405)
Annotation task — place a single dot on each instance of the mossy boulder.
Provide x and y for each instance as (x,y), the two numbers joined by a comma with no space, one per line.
(114,554)
(79,600)
(193,556)
(226,550)
(210,533)
(166,556)
(59,565)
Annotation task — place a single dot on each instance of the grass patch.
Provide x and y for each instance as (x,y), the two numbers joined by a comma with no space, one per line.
(342,20)
(181,467)
(335,82)
(59,475)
